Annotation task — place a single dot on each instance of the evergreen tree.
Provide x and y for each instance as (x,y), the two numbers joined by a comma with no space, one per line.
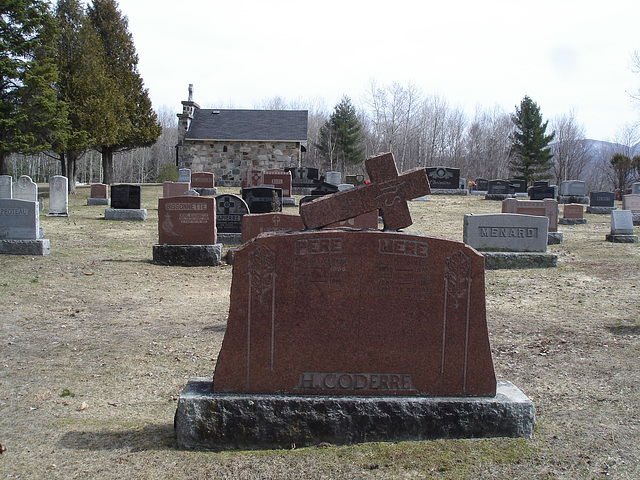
(132,122)
(31,116)
(531,157)
(341,137)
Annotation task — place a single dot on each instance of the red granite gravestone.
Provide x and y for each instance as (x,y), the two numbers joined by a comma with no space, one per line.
(573,210)
(388,193)
(99,190)
(547,207)
(279,179)
(187,221)
(202,180)
(174,189)
(251,178)
(254,224)
(346,312)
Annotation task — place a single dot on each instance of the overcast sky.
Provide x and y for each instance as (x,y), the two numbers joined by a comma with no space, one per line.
(567,55)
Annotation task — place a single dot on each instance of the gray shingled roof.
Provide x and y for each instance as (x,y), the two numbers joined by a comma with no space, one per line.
(266,125)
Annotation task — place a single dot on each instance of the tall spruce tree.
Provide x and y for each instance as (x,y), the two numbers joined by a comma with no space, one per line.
(132,122)
(31,116)
(341,137)
(531,159)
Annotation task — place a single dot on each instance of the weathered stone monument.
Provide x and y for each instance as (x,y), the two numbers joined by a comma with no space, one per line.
(20,232)
(187,232)
(58,196)
(184,175)
(25,189)
(204,183)
(126,204)
(175,189)
(99,194)
(510,240)
(635,188)
(230,209)
(347,336)
(622,227)
(573,191)
(499,190)
(6,186)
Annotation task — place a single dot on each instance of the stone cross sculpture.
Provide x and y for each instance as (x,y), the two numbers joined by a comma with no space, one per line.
(388,192)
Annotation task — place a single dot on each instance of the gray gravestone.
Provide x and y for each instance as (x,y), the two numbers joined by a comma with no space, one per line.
(574,188)
(58,196)
(6,184)
(506,232)
(25,189)
(635,188)
(622,227)
(334,178)
(184,175)
(20,232)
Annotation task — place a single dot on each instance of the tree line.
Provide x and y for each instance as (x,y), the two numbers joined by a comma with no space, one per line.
(74,103)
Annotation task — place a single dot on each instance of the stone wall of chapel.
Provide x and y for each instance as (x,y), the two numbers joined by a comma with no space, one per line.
(227,160)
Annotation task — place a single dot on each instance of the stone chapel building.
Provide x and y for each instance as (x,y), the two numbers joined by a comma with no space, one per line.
(229,142)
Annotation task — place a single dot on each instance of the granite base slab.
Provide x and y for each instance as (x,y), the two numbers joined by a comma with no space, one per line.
(206,420)
(555,238)
(572,221)
(126,214)
(600,210)
(616,238)
(98,201)
(230,238)
(518,260)
(449,191)
(25,247)
(635,218)
(498,196)
(188,255)
(289,201)
(581,199)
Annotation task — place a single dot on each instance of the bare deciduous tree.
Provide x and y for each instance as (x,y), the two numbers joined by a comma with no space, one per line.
(571,153)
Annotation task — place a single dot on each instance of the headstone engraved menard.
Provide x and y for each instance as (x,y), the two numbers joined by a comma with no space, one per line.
(388,193)
(20,232)
(397,355)
(6,186)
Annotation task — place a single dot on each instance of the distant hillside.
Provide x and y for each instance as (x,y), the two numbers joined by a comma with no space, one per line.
(599,154)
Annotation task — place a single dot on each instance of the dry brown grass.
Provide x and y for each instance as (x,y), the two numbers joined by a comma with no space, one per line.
(97,344)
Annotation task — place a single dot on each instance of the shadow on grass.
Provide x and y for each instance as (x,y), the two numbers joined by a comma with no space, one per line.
(148,261)
(151,437)
(624,329)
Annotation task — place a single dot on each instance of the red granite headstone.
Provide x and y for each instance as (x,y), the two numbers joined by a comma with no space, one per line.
(349,312)
(547,207)
(174,189)
(187,221)
(251,178)
(388,193)
(279,179)
(99,190)
(202,180)
(573,210)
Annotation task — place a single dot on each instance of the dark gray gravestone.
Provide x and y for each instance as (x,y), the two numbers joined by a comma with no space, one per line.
(323,188)
(602,199)
(500,187)
(482,184)
(443,177)
(263,199)
(303,176)
(520,186)
(540,192)
(229,212)
(125,196)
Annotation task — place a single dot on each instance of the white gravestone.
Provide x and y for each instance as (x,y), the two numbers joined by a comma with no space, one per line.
(58,196)
(25,189)
(184,175)
(6,182)
(20,232)
(334,178)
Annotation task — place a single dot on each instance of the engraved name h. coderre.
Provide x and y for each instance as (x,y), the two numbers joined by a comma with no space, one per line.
(344,311)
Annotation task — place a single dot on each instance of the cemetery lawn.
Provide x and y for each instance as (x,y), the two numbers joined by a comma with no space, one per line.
(96,344)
